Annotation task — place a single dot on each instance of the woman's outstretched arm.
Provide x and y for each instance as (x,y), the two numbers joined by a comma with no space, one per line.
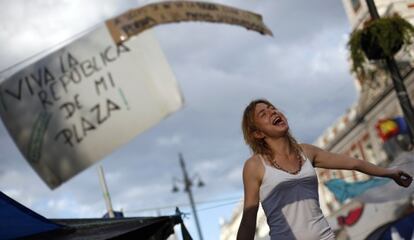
(325,159)
(251,182)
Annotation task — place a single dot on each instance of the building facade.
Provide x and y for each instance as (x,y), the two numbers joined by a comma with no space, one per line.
(356,132)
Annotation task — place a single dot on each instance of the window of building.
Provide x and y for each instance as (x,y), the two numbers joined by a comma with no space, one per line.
(340,174)
(354,176)
(333,174)
(356,4)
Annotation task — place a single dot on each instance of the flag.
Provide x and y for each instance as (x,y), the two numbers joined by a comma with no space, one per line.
(387,128)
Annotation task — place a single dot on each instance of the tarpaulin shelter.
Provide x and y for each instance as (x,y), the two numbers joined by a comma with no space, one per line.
(404,227)
(18,221)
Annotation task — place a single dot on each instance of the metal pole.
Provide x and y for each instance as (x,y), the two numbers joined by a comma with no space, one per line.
(397,80)
(187,183)
(372,9)
(105,192)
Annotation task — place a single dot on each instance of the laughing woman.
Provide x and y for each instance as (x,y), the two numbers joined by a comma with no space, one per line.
(281,176)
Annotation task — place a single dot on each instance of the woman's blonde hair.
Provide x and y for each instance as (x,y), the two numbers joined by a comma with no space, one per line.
(259,146)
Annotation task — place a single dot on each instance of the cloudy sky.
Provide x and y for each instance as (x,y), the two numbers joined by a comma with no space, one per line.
(220,69)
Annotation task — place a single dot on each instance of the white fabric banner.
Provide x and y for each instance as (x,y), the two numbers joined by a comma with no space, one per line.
(78,104)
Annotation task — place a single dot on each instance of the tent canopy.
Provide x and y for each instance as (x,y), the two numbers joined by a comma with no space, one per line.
(18,221)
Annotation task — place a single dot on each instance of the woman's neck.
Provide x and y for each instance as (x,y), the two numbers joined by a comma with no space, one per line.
(279,146)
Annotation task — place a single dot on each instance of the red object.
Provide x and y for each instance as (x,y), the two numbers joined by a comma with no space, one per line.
(352,217)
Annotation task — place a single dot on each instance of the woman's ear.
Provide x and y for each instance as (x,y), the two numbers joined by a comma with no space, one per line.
(258,134)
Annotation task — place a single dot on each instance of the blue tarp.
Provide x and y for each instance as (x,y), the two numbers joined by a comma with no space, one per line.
(391,191)
(401,229)
(17,220)
(344,190)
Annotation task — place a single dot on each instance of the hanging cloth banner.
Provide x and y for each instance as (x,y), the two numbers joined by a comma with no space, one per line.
(78,104)
(137,20)
(344,190)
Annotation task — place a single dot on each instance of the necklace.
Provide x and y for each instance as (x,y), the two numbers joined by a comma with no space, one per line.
(276,165)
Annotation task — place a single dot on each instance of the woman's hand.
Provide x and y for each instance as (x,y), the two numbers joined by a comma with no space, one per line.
(400,177)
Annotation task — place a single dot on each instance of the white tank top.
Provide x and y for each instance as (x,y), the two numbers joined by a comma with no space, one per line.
(291,204)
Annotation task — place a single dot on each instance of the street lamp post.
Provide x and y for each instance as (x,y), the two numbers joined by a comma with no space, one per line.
(187,187)
(105,193)
(397,80)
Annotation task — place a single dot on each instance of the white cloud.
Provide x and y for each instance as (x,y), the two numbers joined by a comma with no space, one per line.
(167,141)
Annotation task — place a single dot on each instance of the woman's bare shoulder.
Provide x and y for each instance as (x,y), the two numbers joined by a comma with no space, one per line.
(252,162)
(310,151)
(253,166)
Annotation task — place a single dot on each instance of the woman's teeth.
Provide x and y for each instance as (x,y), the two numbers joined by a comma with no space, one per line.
(277,121)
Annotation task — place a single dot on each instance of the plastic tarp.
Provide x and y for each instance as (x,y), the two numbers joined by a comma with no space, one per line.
(375,190)
(17,220)
(344,190)
(391,191)
(402,228)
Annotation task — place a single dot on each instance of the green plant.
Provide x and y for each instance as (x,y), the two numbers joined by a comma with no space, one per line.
(377,40)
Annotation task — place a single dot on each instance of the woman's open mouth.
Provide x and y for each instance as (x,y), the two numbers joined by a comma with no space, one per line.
(278,121)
